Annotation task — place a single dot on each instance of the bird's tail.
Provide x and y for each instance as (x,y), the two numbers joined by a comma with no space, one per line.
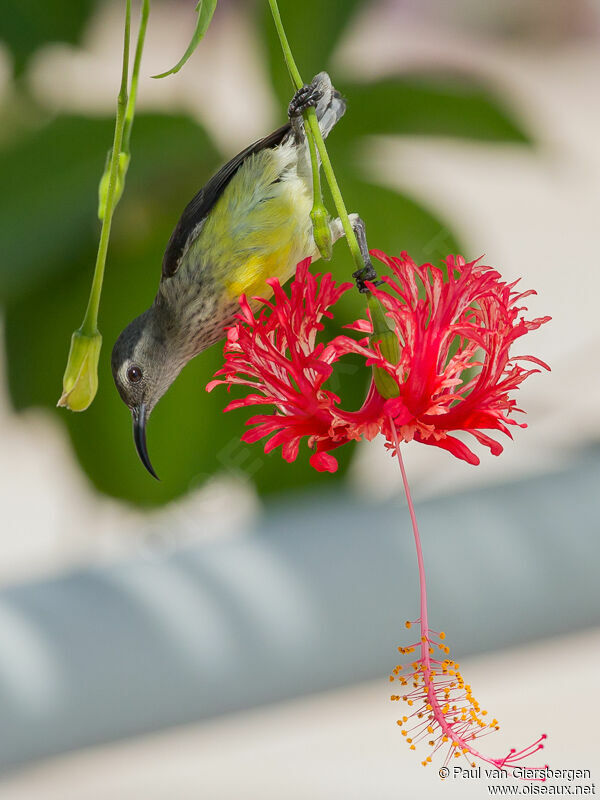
(331,106)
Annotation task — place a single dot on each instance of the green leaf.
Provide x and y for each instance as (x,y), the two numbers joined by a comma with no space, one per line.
(313,29)
(205,10)
(430,105)
(28,24)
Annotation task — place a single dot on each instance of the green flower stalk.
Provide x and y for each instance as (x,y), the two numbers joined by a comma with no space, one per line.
(80,381)
(122,167)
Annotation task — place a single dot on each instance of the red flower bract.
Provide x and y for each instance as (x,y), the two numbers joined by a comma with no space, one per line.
(455,371)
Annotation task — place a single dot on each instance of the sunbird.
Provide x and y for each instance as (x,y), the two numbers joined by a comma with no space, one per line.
(250,222)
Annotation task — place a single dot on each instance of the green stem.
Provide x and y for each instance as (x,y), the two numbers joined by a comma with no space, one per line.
(89,325)
(316,174)
(139,48)
(334,188)
(285,46)
(314,131)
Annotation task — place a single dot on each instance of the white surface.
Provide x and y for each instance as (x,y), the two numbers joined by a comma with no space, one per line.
(343,745)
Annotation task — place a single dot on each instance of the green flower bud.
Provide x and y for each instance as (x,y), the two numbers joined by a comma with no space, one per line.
(322,231)
(389,346)
(80,381)
(122,166)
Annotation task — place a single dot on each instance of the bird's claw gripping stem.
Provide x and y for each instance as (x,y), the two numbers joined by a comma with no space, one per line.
(306,97)
(366,273)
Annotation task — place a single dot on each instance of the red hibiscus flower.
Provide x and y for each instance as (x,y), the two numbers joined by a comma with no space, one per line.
(454,370)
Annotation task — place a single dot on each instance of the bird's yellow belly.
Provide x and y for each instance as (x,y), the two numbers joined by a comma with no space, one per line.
(277,238)
(260,228)
(251,278)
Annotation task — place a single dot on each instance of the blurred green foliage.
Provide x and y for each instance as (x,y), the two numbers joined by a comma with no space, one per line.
(28,24)
(49,231)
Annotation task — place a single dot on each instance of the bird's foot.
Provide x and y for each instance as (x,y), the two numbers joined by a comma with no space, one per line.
(306,97)
(366,273)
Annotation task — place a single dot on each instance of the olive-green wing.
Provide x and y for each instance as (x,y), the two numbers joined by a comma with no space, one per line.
(198,208)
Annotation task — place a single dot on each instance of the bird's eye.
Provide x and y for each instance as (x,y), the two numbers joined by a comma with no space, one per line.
(134,374)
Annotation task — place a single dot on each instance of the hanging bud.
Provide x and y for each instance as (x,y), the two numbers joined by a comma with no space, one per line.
(122,166)
(80,381)
(321,230)
(389,347)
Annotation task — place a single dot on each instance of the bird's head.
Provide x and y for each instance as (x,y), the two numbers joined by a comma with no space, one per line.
(143,367)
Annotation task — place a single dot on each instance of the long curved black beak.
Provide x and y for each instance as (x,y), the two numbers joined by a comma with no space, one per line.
(139,437)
